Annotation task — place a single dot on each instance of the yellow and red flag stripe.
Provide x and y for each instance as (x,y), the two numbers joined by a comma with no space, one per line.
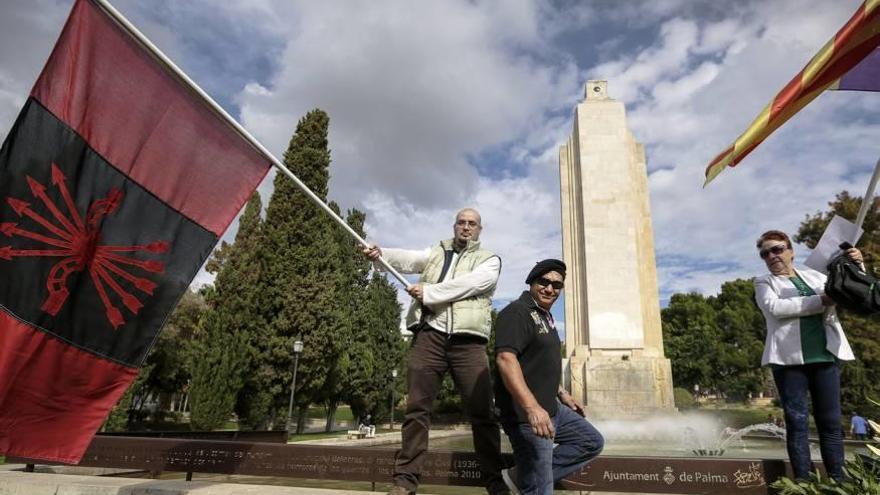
(856,39)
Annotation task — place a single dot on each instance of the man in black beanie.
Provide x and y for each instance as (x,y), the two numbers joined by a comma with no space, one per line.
(545,424)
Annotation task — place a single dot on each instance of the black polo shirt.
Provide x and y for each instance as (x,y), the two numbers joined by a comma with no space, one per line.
(526,330)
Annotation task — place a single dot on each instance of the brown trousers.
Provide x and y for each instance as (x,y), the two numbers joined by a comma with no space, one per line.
(433,353)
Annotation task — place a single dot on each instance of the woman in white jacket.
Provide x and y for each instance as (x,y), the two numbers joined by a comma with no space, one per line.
(804,346)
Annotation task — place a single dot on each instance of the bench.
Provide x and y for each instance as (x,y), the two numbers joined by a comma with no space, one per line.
(441,467)
(363,431)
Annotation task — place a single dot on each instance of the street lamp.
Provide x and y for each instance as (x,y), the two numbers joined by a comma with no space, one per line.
(393,387)
(297,349)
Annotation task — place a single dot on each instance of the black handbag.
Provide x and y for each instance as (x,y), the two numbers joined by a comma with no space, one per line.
(850,287)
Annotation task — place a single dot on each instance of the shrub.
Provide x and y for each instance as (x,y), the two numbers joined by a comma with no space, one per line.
(862,478)
(684,399)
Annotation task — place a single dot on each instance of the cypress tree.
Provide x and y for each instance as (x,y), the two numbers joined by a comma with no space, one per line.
(299,274)
(217,376)
(350,283)
(223,352)
(379,347)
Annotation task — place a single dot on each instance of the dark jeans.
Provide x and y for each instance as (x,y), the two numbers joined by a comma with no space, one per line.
(432,354)
(822,381)
(539,464)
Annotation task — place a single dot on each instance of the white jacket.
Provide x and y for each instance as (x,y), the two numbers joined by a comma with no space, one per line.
(783,307)
(438,297)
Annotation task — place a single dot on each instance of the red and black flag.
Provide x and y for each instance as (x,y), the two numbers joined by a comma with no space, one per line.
(116,181)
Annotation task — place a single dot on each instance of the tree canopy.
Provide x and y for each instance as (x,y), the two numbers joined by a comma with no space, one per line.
(716,341)
(859,377)
(298,276)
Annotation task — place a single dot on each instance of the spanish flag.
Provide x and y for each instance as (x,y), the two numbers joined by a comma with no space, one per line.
(850,60)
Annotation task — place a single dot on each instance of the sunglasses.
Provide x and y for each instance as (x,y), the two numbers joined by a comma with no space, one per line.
(556,284)
(774,250)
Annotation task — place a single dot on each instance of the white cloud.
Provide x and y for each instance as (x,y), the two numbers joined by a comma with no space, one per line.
(27,30)
(687,104)
(631,75)
(418,91)
(411,90)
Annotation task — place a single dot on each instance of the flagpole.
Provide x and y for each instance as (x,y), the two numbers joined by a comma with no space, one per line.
(140,37)
(867,201)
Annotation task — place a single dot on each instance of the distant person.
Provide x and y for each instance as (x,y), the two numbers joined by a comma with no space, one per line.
(450,317)
(804,345)
(858,427)
(545,424)
(368,427)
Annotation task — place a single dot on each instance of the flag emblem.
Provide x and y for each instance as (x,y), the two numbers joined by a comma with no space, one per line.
(77,242)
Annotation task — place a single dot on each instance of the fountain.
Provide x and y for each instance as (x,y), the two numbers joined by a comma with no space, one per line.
(693,433)
(729,435)
(689,434)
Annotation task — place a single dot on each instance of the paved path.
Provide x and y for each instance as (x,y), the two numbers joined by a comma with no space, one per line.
(52,484)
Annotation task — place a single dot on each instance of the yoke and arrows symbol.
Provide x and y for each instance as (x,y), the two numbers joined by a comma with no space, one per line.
(78,243)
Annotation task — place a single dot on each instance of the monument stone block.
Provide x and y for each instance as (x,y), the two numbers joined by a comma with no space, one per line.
(612,308)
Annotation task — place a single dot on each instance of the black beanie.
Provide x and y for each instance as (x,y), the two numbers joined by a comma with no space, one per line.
(544,266)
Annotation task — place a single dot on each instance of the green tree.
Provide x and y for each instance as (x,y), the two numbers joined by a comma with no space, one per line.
(165,372)
(120,414)
(237,303)
(217,376)
(691,339)
(169,357)
(350,283)
(377,349)
(741,326)
(716,342)
(299,275)
(858,380)
(222,355)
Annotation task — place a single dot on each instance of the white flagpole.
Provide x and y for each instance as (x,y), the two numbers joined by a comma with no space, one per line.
(140,37)
(867,201)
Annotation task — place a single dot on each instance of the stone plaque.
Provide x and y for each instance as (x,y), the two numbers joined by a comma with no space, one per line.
(605,474)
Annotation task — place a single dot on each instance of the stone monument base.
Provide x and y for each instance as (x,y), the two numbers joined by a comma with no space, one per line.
(621,384)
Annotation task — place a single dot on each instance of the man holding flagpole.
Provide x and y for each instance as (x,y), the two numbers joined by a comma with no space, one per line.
(450,317)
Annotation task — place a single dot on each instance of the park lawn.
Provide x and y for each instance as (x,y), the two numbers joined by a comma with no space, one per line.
(343,413)
(740,416)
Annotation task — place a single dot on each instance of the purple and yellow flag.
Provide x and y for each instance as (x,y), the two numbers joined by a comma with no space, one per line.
(849,61)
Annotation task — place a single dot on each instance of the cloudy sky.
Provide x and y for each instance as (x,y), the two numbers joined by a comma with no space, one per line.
(439,104)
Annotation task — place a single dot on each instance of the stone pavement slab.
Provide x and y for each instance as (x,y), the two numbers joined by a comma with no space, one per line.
(18,483)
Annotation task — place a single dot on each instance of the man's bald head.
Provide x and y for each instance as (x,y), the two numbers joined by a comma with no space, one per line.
(471,211)
(468,225)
